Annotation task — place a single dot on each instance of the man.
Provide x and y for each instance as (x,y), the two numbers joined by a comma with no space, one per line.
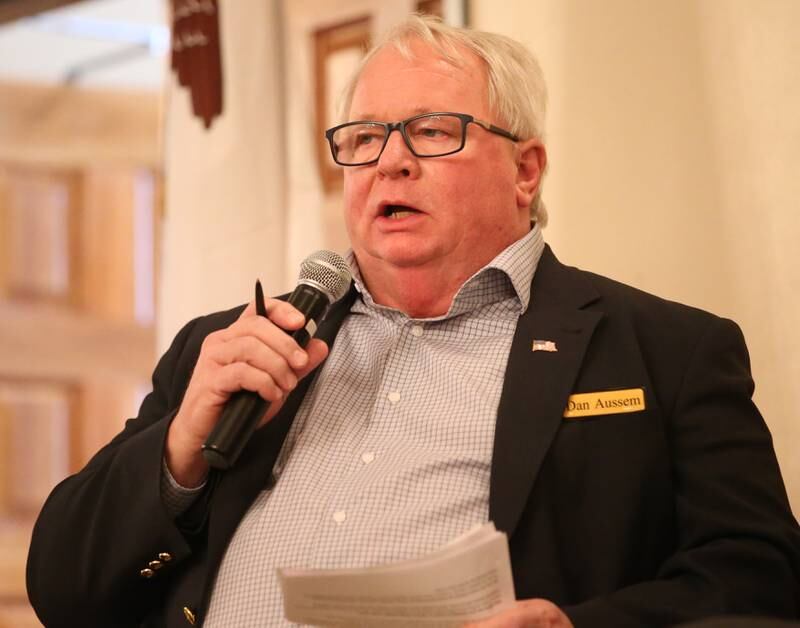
(608,432)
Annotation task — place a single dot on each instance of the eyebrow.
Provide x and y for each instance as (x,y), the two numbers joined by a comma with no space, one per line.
(414,112)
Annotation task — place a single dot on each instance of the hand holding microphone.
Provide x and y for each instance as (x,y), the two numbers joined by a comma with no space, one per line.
(263,357)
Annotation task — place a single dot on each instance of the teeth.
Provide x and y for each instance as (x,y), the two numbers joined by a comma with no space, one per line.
(400,213)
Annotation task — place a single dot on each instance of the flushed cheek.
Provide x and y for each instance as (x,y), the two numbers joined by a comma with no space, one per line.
(355,197)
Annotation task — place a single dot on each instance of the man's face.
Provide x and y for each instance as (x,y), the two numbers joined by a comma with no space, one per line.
(466,207)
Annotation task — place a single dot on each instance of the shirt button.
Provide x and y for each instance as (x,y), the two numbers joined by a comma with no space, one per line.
(394,396)
(367,457)
(146,573)
(339,516)
(417,330)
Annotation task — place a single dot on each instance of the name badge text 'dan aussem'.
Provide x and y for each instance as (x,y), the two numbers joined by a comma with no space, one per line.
(604,402)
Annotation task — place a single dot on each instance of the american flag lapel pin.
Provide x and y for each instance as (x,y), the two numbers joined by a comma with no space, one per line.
(544,345)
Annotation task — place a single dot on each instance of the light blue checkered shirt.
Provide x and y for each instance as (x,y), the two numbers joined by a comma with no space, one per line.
(390,452)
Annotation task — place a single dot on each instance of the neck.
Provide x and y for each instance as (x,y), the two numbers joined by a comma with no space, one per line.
(418,292)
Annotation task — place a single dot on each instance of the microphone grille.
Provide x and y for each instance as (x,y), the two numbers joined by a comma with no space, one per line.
(328,271)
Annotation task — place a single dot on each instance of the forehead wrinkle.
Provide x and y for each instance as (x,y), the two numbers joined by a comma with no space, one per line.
(415,111)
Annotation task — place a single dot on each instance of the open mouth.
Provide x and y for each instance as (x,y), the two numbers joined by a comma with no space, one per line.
(398,211)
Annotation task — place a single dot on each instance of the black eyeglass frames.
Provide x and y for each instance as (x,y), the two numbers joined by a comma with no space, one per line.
(361,142)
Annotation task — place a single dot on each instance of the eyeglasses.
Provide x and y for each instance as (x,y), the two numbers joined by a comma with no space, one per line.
(428,135)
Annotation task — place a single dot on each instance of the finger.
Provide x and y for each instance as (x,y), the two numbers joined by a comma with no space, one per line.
(280,312)
(531,613)
(284,314)
(270,335)
(253,351)
(248,311)
(543,610)
(317,351)
(242,376)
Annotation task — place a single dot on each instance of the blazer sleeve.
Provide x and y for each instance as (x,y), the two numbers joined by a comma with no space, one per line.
(738,546)
(102,526)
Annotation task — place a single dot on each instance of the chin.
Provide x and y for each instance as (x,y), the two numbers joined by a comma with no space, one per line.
(404,256)
(404,260)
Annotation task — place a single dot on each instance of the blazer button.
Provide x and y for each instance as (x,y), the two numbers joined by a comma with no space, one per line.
(189,615)
(146,573)
(165,557)
(155,564)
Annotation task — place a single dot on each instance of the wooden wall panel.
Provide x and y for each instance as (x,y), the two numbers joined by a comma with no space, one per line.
(50,342)
(14,540)
(5,471)
(11,10)
(69,127)
(34,451)
(18,616)
(103,406)
(34,446)
(36,216)
(106,243)
(80,190)
(4,230)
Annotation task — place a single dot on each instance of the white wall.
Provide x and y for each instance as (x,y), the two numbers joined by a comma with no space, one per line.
(674,146)
(225,222)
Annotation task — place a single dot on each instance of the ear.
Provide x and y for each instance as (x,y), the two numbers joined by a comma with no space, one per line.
(531,164)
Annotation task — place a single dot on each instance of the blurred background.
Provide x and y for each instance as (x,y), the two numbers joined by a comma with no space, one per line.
(135,195)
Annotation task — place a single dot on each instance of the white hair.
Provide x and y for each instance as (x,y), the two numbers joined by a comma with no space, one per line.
(516,89)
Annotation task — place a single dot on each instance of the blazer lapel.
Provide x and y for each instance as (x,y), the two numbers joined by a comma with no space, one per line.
(538,383)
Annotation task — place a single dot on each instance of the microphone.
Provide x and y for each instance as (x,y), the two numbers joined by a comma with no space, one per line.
(324,279)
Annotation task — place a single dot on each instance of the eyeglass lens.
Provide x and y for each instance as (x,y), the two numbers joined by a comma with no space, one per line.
(429,136)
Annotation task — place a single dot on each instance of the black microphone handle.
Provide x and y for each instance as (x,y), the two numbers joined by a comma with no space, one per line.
(244,409)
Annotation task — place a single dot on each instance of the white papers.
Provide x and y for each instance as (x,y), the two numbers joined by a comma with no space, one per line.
(466,580)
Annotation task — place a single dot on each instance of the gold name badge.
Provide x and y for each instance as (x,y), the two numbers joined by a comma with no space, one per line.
(607,402)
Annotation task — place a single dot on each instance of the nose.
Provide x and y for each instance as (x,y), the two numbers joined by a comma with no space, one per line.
(397,160)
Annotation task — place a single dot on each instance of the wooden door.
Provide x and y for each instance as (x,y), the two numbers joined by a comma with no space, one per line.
(79,212)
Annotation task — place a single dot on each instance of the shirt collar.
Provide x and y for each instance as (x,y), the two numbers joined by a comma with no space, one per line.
(509,274)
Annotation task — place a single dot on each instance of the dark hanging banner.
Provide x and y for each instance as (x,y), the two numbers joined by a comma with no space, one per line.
(196,54)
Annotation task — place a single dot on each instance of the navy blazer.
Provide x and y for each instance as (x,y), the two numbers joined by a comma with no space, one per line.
(648,518)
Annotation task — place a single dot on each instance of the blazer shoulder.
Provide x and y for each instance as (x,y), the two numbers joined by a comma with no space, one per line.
(618,297)
(555,283)
(662,326)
